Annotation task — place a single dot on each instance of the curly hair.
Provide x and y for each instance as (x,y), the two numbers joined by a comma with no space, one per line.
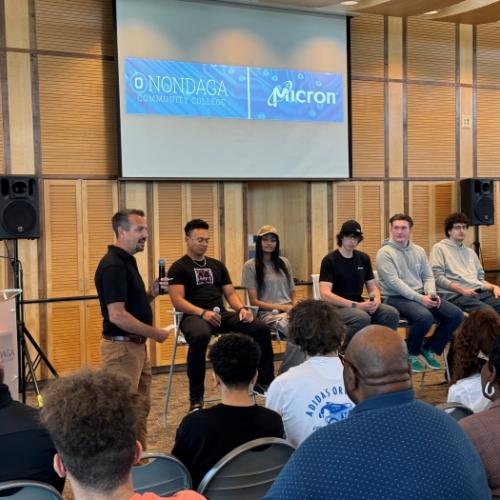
(455,218)
(476,333)
(316,327)
(235,358)
(93,418)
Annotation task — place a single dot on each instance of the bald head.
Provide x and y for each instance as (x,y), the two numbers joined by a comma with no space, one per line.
(380,359)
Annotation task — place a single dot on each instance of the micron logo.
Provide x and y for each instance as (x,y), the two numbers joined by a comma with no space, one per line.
(286,93)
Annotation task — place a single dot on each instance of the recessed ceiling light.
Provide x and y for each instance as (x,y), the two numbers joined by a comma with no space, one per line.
(349,2)
(431,12)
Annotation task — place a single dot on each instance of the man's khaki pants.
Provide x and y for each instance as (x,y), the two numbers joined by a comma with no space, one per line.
(131,360)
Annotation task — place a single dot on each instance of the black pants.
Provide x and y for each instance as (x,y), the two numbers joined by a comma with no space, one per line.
(198,332)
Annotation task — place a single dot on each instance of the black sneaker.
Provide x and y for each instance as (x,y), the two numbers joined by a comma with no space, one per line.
(195,406)
(260,390)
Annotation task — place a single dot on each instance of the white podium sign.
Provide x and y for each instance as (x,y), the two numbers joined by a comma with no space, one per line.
(8,339)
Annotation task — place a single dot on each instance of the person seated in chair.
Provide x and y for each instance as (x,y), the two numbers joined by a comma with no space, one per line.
(26,449)
(312,395)
(94,419)
(205,436)
(197,288)
(269,280)
(406,279)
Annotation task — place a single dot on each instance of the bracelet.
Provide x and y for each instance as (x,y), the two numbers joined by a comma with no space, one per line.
(202,313)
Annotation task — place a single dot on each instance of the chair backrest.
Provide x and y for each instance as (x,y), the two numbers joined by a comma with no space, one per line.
(163,475)
(455,410)
(247,472)
(315,280)
(30,490)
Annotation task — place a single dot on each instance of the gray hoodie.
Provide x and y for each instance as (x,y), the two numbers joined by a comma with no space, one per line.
(452,262)
(404,271)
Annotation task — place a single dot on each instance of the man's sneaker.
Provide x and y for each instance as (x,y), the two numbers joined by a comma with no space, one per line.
(431,360)
(260,390)
(195,406)
(415,364)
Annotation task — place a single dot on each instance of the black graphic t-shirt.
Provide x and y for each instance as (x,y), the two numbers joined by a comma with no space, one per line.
(202,283)
(348,276)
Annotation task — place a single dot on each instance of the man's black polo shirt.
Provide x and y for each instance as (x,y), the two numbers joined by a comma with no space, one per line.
(117,279)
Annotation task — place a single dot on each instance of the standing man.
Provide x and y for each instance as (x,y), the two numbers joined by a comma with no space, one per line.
(127,315)
(457,269)
(344,274)
(406,279)
(198,285)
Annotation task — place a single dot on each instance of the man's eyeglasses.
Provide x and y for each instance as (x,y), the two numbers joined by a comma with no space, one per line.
(459,227)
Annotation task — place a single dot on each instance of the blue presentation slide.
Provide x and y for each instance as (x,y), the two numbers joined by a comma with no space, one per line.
(178,88)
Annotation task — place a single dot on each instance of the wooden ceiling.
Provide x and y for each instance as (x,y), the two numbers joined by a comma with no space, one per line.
(457,11)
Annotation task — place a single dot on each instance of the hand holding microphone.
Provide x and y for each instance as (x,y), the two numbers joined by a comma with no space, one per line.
(213,317)
(162,275)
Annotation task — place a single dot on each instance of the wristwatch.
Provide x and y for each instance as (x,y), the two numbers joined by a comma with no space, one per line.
(354,305)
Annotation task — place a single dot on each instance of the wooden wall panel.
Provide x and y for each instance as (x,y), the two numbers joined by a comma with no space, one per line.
(367,129)
(85,26)
(420,211)
(490,235)
(77,116)
(367,46)
(371,213)
(2,137)
(345,199)
(319,221)
(63,238)
(488,132)
(65,339)
(488,54)
(100,202)
(93,333)
(204,205)
(431,131)
(234,234)
(431,50)
(443,196)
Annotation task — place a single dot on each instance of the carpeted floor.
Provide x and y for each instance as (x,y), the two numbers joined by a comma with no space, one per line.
(160,438)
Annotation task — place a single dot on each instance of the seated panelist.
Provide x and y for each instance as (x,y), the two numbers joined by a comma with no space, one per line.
(198,285)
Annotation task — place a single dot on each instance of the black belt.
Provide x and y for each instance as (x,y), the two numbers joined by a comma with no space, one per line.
(120,338)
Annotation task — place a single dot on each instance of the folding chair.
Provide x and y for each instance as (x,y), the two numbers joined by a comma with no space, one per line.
(29,490)
(247,472)
(164,475)
(455,410)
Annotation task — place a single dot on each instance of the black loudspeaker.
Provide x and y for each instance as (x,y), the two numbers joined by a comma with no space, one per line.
(19,211)
(476,201)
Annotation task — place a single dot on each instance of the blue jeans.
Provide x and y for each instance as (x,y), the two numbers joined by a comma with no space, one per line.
(420,319)
(485,300)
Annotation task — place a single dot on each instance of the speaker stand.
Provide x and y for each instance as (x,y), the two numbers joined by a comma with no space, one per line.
(476,243)
(27,366)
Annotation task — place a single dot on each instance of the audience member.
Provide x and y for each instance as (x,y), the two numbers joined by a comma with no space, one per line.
(406,280)
(344,274)
(268,279)
(391,446)
(476,334)
(312,395)
(205,436)
(26,450)
(197,288)
(94,419)
(458,272)
(484,427)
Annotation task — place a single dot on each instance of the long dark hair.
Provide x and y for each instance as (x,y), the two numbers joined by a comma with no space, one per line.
(277,262)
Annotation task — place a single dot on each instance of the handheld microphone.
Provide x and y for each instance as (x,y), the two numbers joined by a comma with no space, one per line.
(161,274)
(216,309)
(433,297)
(274,312)
(371,296)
